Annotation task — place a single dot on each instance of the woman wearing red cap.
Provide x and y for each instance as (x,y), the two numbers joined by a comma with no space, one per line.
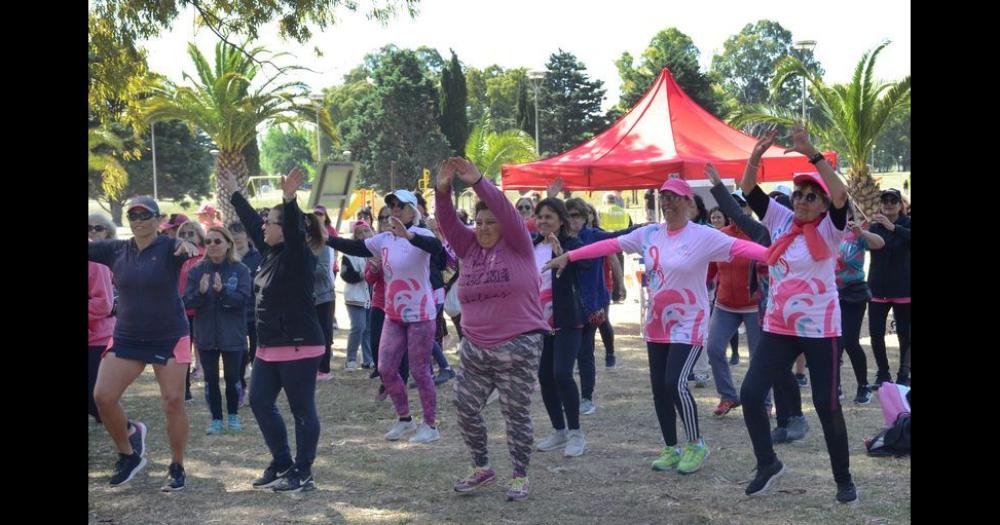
(209,217)
(678,253)
(150,328)
(803,312)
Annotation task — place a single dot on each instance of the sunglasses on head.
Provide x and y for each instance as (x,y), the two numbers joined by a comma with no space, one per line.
(96,228)
(144,215)
(810,197)
(215,241)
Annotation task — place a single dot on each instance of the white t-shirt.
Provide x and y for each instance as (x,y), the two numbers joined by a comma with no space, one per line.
(543,253)
(409,297)
(677,270)
(802,298)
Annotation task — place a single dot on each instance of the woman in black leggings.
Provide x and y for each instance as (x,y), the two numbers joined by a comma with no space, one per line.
(889,278)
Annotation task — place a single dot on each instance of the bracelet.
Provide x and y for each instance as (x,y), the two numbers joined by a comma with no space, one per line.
(479,179)
(816,158)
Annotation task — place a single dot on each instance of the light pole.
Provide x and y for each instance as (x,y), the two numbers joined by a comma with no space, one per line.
(536,79)
(318,102)
(152,131)
(805,46)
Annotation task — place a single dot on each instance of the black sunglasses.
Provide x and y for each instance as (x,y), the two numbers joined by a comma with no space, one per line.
(140,215)
(809,197)
(890,200)
(96,228)
(215,241)
(575,215)
(524,207)
(187,233)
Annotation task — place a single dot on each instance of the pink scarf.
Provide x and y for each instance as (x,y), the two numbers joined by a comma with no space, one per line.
(817,247)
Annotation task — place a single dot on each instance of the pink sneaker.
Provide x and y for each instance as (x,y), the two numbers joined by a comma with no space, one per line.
(324,376)
(479,477)
(518,488)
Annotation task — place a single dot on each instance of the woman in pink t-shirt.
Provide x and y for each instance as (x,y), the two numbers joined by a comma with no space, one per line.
(803,311)
(678,254)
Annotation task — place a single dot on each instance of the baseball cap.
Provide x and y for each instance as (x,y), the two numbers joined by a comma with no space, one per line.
(802,178)
(320,209)
(891,191)
(175,220)
(404,196)
(143,202)
(784,190)
(678,186)
(206,208)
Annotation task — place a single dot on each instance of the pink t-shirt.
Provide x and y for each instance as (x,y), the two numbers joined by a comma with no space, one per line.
(543,253)
(409,297)
(802,299)
(677,268)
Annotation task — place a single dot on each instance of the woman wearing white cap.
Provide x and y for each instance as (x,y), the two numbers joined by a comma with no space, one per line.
(151,328)
(678,253)
(803,312)
(410,309)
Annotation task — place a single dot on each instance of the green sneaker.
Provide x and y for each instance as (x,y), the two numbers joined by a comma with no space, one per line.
(694,455)
(668,459)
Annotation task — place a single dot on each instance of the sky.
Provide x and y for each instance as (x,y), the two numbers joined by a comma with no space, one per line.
(523,33)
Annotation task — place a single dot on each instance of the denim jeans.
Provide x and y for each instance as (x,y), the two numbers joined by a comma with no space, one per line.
(721,328)
(359,334)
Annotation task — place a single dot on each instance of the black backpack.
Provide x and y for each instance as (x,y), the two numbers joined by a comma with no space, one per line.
(893,441)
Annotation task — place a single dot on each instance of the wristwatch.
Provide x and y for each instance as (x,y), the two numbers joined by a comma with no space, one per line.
(816,158)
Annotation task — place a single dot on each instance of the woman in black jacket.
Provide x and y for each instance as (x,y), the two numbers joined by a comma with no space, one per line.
(889,280)
(218,289)
(289,336)
(563,310)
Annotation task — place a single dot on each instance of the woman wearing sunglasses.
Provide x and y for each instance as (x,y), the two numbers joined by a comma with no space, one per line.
(803,313)
(194,233)
(526,207)
(374,278)
(218,288)
(100,227)
(889,279)
(150,329)
(677,255)
(410,310)
(288,333)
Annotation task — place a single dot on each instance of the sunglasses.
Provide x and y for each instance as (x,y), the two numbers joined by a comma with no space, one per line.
(215,241)
(670,197)
(524,207)
(890,200)
(140,215)
(187,233)
(810,197)
(96,228)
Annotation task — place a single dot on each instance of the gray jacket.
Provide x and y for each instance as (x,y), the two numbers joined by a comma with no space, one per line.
(323,282)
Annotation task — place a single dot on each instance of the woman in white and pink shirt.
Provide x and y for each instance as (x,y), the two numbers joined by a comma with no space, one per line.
(410,310)
(678,254)
(803,310)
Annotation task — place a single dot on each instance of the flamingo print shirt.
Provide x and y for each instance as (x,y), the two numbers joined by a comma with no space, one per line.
(802,299)
(409,297)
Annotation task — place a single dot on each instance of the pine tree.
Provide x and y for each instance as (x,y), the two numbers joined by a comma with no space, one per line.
(570,104)
(454,96)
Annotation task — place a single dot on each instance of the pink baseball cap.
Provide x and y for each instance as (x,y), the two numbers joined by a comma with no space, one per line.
(815,178)
(206,208)
(678,186)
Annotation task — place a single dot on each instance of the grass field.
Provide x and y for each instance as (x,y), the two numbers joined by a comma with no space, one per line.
(362,478)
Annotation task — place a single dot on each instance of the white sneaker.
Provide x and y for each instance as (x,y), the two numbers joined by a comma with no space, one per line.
(425,434)
(352,365)
(556,440)
(576,444)
(400,428)
(587,407)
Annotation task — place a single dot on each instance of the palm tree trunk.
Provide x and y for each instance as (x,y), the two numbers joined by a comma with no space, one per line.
(864,189)
(229,163)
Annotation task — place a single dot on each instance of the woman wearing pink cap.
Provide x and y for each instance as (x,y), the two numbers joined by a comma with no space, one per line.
(803,311)
(209,217)
(678,253)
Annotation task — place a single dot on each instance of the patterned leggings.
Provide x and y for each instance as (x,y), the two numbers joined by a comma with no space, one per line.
(510,368)
(413,340)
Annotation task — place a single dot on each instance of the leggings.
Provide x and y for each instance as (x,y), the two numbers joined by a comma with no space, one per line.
(93,365)
(376,323)
(851,315)
(509,368)
(585,361)
(877,315)
(457,322)
(323,311)
(413,340)
(607,337)
(298,380)
(669,366)
(210,364)
(772,359)
(187,380)
(555,376)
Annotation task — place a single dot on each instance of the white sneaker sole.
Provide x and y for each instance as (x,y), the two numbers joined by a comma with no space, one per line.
(552,447)
(142,464)
(770,483)
(414,439)
(399,436)
(569,454)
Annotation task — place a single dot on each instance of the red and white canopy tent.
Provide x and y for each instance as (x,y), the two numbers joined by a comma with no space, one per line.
(666,133)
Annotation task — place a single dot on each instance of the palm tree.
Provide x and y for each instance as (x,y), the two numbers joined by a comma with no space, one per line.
(222,104)
(114,178)
(489,150)
(852,117)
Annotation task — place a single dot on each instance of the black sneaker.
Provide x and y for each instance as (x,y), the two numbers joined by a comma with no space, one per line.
(802,379)
(798,427)
(864,395)
(609,361)
(847,493)
(903,379)
(271,476)
(374,373)
(295,482)
(138,438)
(735,360)
(779,435)
(765,479)
(175,478)
(445,375)
(126,468)
(881,377)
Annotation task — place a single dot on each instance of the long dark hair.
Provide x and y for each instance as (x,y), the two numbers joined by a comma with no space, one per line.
(702,217)
(559,207)
(314,232)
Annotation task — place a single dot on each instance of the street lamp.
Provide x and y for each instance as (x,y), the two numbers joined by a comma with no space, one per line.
(536,79)
(152,131)
(805,46)
(317,99)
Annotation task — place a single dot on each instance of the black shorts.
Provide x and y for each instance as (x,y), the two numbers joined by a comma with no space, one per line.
(152,352)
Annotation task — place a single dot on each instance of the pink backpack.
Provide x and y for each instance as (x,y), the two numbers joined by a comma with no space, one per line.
(892,397)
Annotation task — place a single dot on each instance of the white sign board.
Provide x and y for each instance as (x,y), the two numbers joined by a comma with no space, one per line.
(333,188)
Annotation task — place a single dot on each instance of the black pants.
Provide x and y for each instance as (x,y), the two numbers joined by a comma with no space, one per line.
(773,358)
(787,397)
(323,311)
(585,361)
(187,380)
(851,317)
(555,376)
(376,321)
(669,366)
(457,321)
(210,366)
(607,337)
(734,343)
(877,315)
(93,365)
(298,380)
(250,354)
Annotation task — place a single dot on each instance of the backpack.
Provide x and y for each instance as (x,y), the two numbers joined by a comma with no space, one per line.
(893,441)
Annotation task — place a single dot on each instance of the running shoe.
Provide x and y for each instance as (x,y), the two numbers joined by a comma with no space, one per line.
(724,407)
(175,478)
(576,444)
(765,479)
(233,424)
(127,467)
(138,438)
(864,395)
(400,428)
(847,493)
(694,456)
(587,407)
(518,488)
(556,440)
(271,476)
(295,481)
(215,427)
(478,477)
(425,434)
(669,458)
(797,428)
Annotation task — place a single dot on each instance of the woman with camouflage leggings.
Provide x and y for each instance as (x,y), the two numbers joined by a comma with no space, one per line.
(501,321)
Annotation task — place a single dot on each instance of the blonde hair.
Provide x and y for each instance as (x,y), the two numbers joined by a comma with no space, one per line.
(104,220)
(196,226)
(231,254)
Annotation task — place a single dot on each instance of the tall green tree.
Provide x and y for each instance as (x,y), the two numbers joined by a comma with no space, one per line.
(222,102)
(454,120)
(284,148)
(570,104)
(854,116)
(397,123)
(892,151)
(672,49)
(525,113)
(494,91)
(489,150)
